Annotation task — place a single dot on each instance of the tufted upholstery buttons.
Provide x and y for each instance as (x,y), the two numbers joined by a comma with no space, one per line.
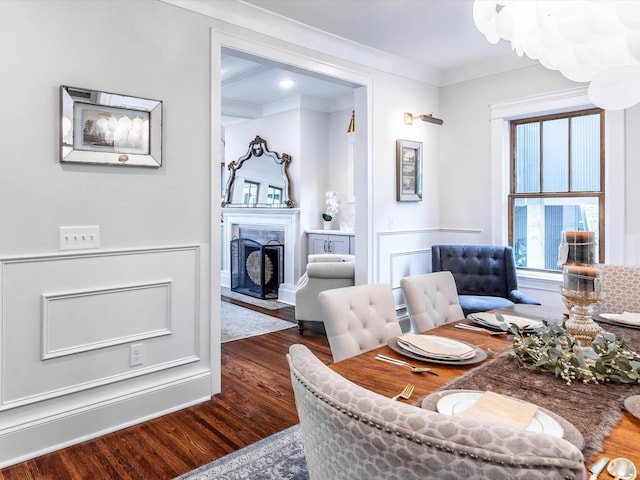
(431,300)
(358,318)
(485,275)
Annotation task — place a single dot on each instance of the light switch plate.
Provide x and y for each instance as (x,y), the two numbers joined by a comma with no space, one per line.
(79,238)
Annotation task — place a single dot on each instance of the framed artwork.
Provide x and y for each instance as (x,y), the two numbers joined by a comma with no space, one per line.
(110,129)
(409,170)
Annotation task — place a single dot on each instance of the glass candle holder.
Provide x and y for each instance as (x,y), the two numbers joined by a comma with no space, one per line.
(581,283)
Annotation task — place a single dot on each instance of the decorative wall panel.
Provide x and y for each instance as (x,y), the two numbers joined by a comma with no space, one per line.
(118,315)
(67,320)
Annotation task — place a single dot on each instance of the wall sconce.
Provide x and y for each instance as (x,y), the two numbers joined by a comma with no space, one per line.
(409,118)
(352,122)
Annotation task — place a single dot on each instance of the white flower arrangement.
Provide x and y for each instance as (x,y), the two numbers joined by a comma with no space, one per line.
(332,206)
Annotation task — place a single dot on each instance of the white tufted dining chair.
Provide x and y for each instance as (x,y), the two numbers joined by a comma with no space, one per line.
(431,299)
(358,318)
(621,287)
(349,432)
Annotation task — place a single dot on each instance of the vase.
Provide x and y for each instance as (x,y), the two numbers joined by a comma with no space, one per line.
(581,285)
(326,224)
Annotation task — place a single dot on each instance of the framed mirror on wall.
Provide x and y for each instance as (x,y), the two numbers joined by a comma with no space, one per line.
(259,179)
(109,129)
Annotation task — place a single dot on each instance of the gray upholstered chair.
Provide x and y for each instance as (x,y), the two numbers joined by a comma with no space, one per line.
(358,318)
(324,271)
(349,432)
(485,275)
(621,287)
(431,300)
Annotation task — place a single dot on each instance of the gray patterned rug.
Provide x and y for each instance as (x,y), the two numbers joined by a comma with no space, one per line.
(278,457)
(237,322)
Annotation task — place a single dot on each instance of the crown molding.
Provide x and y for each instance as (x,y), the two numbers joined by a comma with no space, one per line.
(247,16)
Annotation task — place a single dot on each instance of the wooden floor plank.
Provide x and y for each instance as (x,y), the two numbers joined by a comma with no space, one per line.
(256,401)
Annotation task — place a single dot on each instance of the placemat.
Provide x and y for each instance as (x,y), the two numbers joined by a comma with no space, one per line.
(592,409)
(570,432)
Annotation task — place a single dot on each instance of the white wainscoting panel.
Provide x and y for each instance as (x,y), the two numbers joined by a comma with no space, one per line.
(118,315)
(96,289)
(408,263)
(67,321)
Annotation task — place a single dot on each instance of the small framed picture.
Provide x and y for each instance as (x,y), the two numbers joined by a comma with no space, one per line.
(109,129)
(409,170)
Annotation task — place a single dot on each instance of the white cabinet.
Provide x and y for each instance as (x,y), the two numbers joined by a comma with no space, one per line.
(337,242)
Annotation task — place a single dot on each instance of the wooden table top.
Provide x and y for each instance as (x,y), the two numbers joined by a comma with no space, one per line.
(388,380)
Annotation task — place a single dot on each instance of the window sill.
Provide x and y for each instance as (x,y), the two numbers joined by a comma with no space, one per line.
(539,275)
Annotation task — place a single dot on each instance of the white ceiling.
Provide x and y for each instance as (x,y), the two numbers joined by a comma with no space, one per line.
(437,34)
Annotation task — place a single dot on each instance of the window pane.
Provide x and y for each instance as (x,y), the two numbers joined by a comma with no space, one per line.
(585,153)
(274,195)
(250,193)
(538,223)
(527,158)
(555,155)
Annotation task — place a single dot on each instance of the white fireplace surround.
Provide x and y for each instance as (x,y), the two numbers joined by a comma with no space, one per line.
(283,219)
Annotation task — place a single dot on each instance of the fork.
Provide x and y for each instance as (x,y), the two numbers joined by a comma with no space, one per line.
(406,393)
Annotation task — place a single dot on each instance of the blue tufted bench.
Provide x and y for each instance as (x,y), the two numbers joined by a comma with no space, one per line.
(485,275)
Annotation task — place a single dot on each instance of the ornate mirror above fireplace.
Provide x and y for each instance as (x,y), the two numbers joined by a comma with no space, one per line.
(259,179)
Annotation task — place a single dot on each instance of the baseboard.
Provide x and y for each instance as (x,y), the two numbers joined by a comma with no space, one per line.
(287,294)
(60,430)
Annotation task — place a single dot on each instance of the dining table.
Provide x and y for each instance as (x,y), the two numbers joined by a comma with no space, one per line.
(388,379)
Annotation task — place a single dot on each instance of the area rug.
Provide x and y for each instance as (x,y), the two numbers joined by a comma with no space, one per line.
(237,322)
(258,302)
(278,457)
(592,409)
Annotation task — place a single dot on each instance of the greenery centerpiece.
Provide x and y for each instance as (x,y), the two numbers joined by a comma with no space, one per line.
(553,349)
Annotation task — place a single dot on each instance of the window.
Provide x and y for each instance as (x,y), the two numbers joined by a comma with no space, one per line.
(557,183)
(250,192)
(274,195)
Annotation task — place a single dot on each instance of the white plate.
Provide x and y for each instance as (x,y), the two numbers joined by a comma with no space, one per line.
(459,402)
(630,319)
(442,341)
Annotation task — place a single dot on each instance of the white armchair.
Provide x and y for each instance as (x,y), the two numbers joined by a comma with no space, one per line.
(324,272)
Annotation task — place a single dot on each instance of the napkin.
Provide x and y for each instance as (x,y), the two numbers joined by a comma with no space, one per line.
(434,345)
(627,317)
(499,410)
(520,322)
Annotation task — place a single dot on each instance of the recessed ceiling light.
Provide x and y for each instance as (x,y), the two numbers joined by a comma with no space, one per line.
(286,83)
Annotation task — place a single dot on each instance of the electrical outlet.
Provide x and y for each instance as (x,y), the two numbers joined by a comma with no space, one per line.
(77,238)
(136,354)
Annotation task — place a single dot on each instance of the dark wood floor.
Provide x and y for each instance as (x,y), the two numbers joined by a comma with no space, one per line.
(256,401)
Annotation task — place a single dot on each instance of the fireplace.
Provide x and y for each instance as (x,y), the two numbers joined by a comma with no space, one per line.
(257,269)
(280,224)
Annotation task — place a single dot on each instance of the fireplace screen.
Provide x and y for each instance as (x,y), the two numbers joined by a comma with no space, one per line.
(256,269)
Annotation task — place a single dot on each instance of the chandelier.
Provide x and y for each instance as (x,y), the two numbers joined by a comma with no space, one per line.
(586,40)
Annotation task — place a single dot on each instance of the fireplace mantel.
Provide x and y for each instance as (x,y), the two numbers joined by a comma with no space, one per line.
(282,219)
